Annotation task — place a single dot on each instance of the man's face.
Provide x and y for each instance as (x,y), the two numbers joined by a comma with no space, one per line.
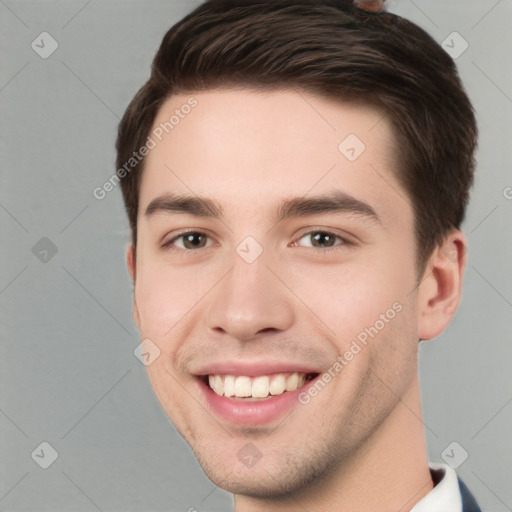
(307,286)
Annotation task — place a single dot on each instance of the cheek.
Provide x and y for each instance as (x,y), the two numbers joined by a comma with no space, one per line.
(168,386)
(351,299)
(165,295)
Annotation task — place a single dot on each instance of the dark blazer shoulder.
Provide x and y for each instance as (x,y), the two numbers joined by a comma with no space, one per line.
(469,503)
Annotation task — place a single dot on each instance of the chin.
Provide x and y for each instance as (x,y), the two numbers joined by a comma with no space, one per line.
(279,478)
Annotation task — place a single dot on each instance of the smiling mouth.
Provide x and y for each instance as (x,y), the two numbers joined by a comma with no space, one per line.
(256,388)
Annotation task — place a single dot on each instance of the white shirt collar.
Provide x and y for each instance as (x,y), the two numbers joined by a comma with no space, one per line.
(445,495)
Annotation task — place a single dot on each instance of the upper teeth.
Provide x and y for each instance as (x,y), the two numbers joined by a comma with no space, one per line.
(256,387)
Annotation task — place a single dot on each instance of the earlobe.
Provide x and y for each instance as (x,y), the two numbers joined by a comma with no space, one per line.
(440,289)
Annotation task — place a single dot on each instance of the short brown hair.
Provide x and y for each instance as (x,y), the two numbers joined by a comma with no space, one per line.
(334,49)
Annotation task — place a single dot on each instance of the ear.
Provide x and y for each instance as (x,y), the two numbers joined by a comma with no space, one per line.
(440,289)
(131,264)
(130,261)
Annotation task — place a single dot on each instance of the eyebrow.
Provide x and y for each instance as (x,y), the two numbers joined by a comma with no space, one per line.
(334,202)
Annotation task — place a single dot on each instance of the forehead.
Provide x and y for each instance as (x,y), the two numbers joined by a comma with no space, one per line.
(246,147)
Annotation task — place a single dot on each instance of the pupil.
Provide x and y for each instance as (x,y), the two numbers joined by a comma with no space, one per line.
(192,239)
(323,239)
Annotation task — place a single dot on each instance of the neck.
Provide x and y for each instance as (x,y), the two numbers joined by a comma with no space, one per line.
(389,472)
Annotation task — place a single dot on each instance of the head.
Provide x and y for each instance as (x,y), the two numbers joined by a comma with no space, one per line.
(317,170)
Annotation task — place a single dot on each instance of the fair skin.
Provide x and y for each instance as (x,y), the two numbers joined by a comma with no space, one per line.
(358,444)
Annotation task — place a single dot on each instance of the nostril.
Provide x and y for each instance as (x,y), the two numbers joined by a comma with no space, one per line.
(267,329)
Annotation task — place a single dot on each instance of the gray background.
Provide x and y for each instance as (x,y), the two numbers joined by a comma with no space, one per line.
(68,373)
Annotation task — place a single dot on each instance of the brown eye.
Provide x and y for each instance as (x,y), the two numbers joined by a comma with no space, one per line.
(194,241)
(189,241)
(321,239)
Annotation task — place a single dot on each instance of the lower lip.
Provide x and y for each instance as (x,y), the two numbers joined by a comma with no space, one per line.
(257,412)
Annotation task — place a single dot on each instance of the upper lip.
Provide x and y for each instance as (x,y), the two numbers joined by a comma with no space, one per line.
(254,368)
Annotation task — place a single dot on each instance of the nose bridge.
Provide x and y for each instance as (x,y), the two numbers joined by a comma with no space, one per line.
(249,299)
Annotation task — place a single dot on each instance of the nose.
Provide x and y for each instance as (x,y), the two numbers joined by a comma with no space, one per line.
(249,301)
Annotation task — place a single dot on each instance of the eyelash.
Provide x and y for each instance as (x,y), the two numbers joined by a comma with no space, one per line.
(343,241)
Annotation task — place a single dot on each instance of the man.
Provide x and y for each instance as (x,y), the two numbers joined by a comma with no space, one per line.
(295,174)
